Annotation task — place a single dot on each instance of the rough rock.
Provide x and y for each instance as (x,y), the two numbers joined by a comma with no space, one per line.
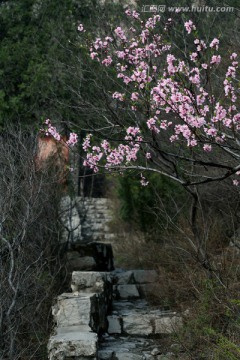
(91,281)
(81,309)
(74,309)
(73,344)
(155,351)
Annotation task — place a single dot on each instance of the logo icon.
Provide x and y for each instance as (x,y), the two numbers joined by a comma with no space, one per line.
(162,8)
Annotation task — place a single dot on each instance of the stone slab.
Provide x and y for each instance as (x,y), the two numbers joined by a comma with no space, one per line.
(138,324)
(129,291)
(114,324)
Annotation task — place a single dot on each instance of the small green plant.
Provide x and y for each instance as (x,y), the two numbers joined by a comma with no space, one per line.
(212,329)
(224,348)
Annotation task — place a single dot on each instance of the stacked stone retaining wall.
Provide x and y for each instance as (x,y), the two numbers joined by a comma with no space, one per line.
(86,219)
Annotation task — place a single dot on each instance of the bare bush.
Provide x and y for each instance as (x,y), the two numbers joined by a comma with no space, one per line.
(31,272)
(210,307)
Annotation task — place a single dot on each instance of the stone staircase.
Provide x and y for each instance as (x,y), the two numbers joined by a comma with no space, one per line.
(134,327)
(106,317)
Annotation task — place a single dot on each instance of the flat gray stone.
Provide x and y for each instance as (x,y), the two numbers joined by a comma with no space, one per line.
(138,324)
(114,324)
(127,291)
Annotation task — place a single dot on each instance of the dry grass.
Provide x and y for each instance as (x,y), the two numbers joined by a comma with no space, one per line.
(212,325)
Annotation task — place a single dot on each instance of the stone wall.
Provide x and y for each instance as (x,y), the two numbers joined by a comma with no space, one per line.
(86,219)
(80,316)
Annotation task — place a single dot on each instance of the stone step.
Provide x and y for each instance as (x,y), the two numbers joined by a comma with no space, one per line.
(128,348)
(134,284)
(129,291)
(122,277)
(138,318)
(133,327)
